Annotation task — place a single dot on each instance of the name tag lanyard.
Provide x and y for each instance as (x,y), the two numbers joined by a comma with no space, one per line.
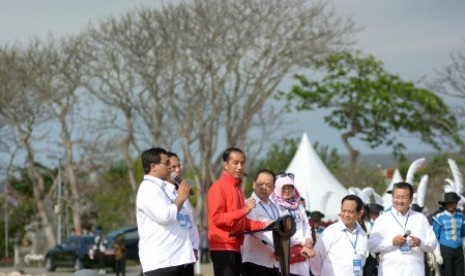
(172,201)
(182,217)
(273,208)
(354,244)
(405,225)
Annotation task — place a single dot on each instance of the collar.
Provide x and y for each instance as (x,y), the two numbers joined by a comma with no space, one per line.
(170,186)
(257,199)
(231,179)
(449,213)
(342,227)
(155,179)
(399,214)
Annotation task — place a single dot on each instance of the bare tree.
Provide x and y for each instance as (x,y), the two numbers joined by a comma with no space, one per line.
(113,81)
(231,57)
(59,79)
(25,111)
(201,75)
(451,82)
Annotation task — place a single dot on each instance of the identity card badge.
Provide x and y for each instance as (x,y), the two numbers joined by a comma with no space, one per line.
(357,265)
(405,248)
(184,220)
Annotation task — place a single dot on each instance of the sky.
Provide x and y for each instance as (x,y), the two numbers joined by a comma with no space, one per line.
(413,38)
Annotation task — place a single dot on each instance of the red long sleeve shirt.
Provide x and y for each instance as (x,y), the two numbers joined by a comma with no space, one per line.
(227,214)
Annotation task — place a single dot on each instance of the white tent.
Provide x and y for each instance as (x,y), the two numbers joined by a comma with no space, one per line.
(387,198)
(321,190)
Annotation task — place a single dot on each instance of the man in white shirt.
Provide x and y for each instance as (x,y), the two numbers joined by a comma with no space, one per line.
(342,247)
(176,170)
(257,250)
(401,236)
(165,247)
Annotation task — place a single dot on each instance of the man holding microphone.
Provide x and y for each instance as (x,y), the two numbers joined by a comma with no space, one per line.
(165,246)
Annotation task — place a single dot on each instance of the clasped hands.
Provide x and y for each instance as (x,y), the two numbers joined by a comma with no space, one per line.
(413,241)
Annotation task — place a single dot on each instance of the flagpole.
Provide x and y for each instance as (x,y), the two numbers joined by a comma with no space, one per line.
(5,202)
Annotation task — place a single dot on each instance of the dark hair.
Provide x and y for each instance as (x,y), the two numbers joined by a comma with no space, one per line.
(227,152)
(172,154)
(403,185)
(265,171)
(356,199)
(151,156)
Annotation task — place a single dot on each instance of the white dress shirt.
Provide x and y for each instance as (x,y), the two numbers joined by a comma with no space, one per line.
(336,250)
(193,231)
(258,247)
(163,242)
(303,232)
(392,260)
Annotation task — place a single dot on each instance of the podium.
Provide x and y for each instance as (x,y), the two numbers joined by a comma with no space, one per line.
(282,229)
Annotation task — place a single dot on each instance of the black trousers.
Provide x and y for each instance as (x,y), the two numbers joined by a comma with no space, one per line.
(371,266)
(226,263)
(251,269)
(120,267)
(453,261)
(180,270)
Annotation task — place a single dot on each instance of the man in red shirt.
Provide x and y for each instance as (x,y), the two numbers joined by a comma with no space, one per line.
(227,213)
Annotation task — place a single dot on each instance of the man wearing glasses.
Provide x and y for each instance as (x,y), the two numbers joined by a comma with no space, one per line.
(401,236)
(176,173)
(227,211)
(258,251)
(165,247)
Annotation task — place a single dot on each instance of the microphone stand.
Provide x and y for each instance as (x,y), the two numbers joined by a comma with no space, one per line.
(282,229)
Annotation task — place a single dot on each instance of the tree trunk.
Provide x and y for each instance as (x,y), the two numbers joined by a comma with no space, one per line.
(38,188)
(353,153)
(73,183)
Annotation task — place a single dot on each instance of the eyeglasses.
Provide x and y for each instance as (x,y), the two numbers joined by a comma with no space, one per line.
(264,185)
(167,163)
(284,174)
(173,167)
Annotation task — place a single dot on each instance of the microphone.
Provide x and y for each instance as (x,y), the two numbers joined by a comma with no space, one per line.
(178,181)
(407,233)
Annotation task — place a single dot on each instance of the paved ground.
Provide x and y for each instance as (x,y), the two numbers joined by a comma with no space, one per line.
(203,269)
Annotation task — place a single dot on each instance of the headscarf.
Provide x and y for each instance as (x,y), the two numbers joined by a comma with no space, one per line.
(277,195)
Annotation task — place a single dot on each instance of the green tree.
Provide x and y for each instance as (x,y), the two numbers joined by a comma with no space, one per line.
(373,105)
(280,156)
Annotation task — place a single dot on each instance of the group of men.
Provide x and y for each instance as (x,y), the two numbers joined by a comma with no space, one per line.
(169,238)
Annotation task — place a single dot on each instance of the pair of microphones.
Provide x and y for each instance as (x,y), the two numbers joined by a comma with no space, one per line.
(178,180)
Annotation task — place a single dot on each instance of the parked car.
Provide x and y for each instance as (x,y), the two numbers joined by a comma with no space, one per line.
(72,253)
(131,240)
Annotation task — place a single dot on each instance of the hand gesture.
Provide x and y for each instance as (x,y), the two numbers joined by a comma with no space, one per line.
(398,240)
(307,252)
(414,241)
(183,189)
(250,204)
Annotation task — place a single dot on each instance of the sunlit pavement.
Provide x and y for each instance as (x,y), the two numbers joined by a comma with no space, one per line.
(134,270)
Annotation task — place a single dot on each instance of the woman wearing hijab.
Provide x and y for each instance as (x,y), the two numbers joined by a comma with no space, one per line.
(287,197)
